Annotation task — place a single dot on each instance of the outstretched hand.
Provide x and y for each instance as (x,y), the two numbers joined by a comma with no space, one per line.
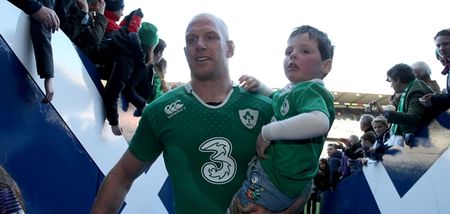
(48,18)
(377,105)
(426,100)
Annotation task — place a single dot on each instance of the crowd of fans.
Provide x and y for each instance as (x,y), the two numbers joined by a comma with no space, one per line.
(127,54)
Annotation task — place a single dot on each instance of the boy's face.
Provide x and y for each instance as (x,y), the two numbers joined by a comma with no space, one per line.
(303,61)
(366,144)
(379,128)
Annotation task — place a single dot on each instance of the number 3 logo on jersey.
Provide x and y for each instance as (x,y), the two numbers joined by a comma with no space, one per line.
(222,167)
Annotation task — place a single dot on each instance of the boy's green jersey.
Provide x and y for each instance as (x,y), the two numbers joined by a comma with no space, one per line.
(206,148)
(291,164)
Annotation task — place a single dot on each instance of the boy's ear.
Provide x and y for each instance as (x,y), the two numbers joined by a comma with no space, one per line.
(326,67)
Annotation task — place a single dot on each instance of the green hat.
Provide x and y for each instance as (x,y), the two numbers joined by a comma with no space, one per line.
(148,34)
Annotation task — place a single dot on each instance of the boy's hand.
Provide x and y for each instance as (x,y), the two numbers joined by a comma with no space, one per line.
(249,83)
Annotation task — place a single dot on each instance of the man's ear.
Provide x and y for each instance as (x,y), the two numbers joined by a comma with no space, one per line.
(326,67)
(230,48)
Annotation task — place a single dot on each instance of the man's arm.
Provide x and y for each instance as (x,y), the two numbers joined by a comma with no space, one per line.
(116,184)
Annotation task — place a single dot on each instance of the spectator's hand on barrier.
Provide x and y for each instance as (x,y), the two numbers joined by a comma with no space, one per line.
(48,90)
(426,100)
(261,146)
(249,83)
(116,130)
(48,18)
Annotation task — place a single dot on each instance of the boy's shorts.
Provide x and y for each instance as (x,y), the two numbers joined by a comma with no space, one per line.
(258,188)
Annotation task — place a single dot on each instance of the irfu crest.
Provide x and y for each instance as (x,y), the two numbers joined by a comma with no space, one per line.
(248,117)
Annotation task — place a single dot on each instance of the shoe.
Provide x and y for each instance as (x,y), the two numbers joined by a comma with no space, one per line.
(124,102)
(138,113)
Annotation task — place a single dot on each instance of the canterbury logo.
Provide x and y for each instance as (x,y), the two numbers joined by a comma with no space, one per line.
(173,108)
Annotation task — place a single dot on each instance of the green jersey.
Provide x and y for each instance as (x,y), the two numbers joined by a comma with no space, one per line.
(206,148)
(291,164)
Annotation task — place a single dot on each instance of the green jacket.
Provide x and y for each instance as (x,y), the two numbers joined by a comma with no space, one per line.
(410,119)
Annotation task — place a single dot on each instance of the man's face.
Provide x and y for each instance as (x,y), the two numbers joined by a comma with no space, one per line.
(330,150)
(206,51)
(443,46)
(396,85)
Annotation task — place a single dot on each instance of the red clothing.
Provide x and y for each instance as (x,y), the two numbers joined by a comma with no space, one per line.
(133,22)
(112,18)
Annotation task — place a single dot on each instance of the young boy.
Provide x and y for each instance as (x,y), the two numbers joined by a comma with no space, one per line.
(289,148)
(367,141)
(381,127)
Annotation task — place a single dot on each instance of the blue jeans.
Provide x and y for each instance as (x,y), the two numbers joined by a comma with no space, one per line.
(258,188)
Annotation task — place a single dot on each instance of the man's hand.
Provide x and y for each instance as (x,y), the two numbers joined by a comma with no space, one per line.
(48,90)
(83,5)
(47,17)
(101,6)
(261,146)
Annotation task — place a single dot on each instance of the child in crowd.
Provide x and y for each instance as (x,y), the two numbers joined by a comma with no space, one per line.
(367,141)
(381,127)
(113,13)
(142,88)
(127,67)
(160,84)
(289,148)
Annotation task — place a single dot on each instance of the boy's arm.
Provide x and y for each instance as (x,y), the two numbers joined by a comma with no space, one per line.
(302,126)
